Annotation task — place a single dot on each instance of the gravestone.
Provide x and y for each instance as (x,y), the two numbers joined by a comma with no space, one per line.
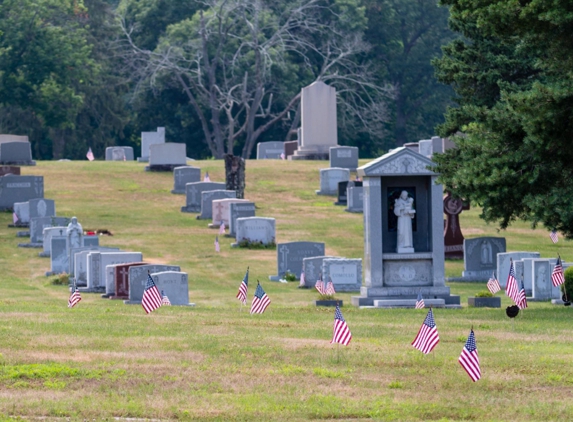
(207,198)
(312,268)
(38,224)
(16,153)
(344,157)
(148,139)
(503,262)
(98,260)
(183,175)
(73,254)
(121,278)
(355,196)
(270,150)
(343,191)
(329,179)
(319,129)
(239,210)
(193,194)
(13,138)
(291,254)
(80,264)
(346,274)
(255,229)
(392,277)
(480,257)
(221,211)
(59,256)
(453,237)
(22,210)
(14,170)
(119,154)
(425,147)
(413,146)
(289,148)
(537,279)
(40,207)
(175,285)
(447,144)
(165,157)
(106,277)
(47,235)
(138,279)
(19,189)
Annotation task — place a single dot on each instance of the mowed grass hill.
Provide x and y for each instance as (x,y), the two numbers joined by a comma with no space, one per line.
(104,360)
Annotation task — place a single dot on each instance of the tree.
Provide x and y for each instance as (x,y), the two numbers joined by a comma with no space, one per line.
(242,63)
(515,96)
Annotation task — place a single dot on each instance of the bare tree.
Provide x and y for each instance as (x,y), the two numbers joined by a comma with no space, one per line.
(226,59)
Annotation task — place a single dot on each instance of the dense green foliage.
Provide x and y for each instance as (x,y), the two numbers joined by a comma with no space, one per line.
(512,75)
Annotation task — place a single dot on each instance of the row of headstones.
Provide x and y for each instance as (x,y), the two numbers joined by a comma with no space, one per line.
(336,181)
(429,147)
(16,150)
(15,188)
(309,258)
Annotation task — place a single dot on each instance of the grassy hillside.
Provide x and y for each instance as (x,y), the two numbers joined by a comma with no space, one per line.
(104,359)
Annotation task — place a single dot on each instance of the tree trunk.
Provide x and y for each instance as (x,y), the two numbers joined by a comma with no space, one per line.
(58,143)
(235,174)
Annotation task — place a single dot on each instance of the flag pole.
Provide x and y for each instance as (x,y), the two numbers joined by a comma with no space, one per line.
(337,344)
(564,288)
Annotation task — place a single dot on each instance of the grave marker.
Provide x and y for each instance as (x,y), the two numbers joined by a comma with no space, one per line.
(270,150)
(346,274)
(183,175)
(138,279)
(255,229)
(290,257)
(329,179)
(19,189)
(207,198)
(239,210)
(193,194)
(344,157)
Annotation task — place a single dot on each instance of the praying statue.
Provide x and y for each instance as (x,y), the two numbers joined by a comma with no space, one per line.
(74,232)
(403,208)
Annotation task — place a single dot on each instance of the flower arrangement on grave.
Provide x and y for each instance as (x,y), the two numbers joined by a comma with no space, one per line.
(256,244)
(484,293)
(288,276)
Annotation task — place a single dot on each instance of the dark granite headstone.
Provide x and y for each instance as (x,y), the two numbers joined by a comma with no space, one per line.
(19,189)
(290,256)
(18,153)
(183,175)
(453,237)
(121,276)
(4,170)
(290,147)
(480,256)
(138,279)
(239,210)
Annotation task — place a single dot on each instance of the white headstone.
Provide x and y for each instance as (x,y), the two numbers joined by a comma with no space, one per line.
(151,138)
(256,229)
(329,179)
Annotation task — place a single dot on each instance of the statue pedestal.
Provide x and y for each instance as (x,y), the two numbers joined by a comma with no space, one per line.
(404,250)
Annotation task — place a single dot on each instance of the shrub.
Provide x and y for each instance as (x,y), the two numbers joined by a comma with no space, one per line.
(61,280)
(568,285)
(255,244)
(484,293)
(289,276)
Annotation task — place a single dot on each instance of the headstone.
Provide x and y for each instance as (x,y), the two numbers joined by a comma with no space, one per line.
(16,153)
(13,138)
(96,267)
(148,139)
(119,154)
(355,196)
(289,148)
(239,210)
(19,189)
(413,146)
(73,254)
(270,150)
(389,275)
(342,198)
(425,147)
(59,256)
(47,235)
(291,254)
(312,268)
(193,194)
(183,175)
(453,237)
(447,144)
(207,198)
(175,285)
(319,129)
(346,274)
(138,279)
(344,157)
(22,210)
(38,224)
(437,145)
(221,211)
(91,240)
(329,179)
(503,262)
(121,278)
(165,157)
(42,208)
(255,229)
(537,279)
(14,170)
(112,258)
(480,257)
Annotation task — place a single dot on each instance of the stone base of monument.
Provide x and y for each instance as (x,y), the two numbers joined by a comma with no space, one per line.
(328,303)
(162,167)
(408,303)
(178,192)
(91,289)
(23,234)
(133,302)
(18,225)
(44,254)
(354,210)
(370,294)
(309,155)
(143,159)
(18,163)
(30,245)
(484,302)
(190,209)
(341,203)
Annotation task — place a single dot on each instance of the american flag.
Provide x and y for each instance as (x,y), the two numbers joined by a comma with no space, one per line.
(522,301)
(341,332)
(469,358)
(217,247)
(330,288)
(206,178)
(553,236)
(302,282)
(14,218)
(164,299)
(319,285)
(493,285)
(427,337)
(222,228)
(420,301)
(242,295)
(151,297)
(90,154)
(557,275)
(260,301)
(74,298)
(282,155)
(511,288)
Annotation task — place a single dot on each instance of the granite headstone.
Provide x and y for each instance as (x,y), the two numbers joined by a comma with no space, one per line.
(270,150)
(239,210)
(193,194)
(174,285)
(480,257)
(183,175)
(312,268)
(138,279)
(19,189)
(346,274)
(344,157)
(207,198)
(290,256)
(255,229)
(329,179)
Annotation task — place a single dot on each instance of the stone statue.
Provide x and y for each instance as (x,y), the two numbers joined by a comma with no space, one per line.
(405,213)
(74,232)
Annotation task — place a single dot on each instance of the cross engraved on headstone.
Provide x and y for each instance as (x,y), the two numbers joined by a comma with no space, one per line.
(124,272)
(219,208)
(284,255)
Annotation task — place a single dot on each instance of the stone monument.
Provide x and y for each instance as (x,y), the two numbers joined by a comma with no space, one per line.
(453,237)
(148,139)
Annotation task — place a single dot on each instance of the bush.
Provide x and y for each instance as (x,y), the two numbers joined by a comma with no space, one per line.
(255,244)
(568,285)
(61,279)
(484,293)
(289,276)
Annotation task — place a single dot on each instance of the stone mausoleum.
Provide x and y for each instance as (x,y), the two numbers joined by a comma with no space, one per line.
(394,279)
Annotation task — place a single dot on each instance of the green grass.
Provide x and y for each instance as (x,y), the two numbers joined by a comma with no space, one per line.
(104,359)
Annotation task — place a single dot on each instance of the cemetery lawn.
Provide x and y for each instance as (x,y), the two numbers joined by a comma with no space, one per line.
(104,359)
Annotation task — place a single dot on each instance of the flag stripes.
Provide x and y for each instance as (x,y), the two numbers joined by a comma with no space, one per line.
(151,297)
(341,333)
(469,358)
(260,301)
(427,337)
